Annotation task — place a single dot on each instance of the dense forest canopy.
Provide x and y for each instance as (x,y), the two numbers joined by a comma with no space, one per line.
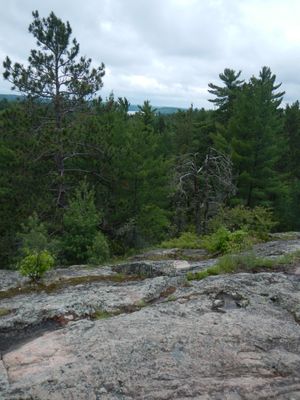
(84,178)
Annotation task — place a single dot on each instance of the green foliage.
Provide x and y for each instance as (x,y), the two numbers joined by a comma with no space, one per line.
(225,96)
(258,222)
(57,74)
(55,58)
(187,240)
(35,264)
(172,297)
(34,236)
(81,241)
(223,241)
(254,134)
(4,312)
(130,162)
(218,241)
(153,223)
(231,263)
(101,314)
(98,252)
(244,262)
(141,303)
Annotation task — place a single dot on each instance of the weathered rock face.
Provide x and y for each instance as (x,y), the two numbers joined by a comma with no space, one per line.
(228,337)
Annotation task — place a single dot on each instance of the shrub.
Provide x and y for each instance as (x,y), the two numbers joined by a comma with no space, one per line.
(258,222)
(98,252)
(239,240)
(186,240)
(223,241)
(35,264)
(218,241)
(82,242)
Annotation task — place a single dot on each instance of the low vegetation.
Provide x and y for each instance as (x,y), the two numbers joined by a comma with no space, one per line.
(101,314)
(247,262)
(187,240)
(4,312)
(258,222)
(223,241)
(231,230)
(102,182)
(36,264)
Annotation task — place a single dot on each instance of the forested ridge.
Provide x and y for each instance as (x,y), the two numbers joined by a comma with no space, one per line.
(86,180)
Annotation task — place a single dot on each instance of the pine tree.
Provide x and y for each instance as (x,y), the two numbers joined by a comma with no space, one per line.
(82,241)
(226,95)
(23,179)
(56,76)
(254,131)
(287,205)
(292,135)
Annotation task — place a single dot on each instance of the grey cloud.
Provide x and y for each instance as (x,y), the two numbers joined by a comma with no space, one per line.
(167,51)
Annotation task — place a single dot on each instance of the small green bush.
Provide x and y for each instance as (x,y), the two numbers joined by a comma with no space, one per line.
(223,241)
(187,240)
(258,222)
(35,265)
(239,240)
(218,241)
(98,252)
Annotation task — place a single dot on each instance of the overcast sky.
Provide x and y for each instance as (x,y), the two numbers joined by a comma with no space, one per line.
(168,50)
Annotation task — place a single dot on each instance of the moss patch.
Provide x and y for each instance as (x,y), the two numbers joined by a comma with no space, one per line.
(101,314)
(4,312)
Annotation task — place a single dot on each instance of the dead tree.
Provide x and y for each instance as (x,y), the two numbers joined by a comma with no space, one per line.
(204,185)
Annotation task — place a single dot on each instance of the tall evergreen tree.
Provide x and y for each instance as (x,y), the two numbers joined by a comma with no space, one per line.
(23,179)
(226,95)
(292,136)
(287,206)
(56,76)
(254,130)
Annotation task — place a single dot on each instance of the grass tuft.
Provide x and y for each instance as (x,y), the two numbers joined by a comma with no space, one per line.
(249,262)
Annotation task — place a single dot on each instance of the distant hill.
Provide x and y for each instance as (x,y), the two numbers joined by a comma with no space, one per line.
(132,108)
(160,110)
(11,97)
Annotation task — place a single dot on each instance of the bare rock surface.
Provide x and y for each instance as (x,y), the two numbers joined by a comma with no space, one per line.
(231,337)
(276,248)
(159,254)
